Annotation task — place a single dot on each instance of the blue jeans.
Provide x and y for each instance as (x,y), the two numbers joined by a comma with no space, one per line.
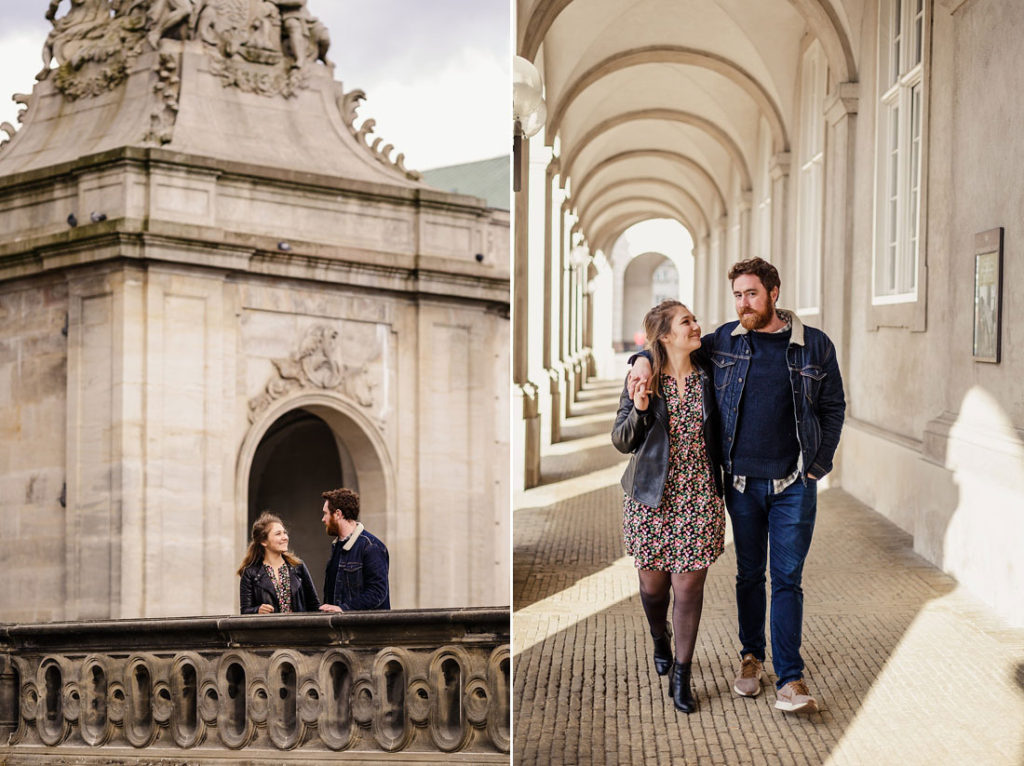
(785,522)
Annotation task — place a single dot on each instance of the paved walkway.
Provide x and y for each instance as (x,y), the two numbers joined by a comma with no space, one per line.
(908,667)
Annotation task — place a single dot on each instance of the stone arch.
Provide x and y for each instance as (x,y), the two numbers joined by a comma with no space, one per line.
(659,154)
(821,17)
(639,291)
(674,54)
(655,208)
(606,235)
(584,209)
(669,115)
(364,462)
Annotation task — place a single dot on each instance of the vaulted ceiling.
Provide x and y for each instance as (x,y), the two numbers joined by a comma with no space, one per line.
(658,106)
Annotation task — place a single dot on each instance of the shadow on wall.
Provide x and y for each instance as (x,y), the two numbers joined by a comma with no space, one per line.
(968,520)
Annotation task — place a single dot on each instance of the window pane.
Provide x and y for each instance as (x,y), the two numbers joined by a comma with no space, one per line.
(918,34)
(908,276)
(896,38)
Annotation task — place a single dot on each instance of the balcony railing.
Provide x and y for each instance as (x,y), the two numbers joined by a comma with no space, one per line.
(275,688)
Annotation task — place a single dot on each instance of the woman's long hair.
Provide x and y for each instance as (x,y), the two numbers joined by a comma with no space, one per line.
(657,324)
(260,531)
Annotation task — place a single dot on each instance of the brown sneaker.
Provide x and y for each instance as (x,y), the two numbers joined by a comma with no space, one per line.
(748,681)
(795,698)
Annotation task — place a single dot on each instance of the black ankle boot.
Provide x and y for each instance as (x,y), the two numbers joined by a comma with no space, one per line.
(662,652)
(679,688)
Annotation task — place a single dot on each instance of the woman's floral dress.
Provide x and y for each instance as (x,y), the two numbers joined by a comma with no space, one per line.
(687,531)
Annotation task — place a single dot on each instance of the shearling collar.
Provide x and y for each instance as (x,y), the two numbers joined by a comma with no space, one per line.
(786,316)
(351,539)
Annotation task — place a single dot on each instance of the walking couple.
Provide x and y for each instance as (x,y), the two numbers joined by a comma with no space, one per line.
(751,412)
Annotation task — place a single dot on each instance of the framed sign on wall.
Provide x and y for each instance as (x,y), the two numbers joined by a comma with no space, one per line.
(988,294)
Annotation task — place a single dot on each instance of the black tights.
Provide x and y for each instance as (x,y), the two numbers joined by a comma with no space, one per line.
(688,589)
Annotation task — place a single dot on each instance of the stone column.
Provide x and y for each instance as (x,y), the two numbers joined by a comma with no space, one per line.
(524,393)
(552,286)
(742,209)
(564,340)
(837,263)
(778,169)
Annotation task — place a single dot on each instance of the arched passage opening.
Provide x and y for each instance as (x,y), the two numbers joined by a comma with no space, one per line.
(298,458)
(302,447)
(649,279)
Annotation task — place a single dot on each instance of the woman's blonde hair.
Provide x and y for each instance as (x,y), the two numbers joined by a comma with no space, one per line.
(260,531)
(657,324)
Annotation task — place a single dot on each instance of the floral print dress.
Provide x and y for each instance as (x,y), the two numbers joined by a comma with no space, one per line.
(282,585)
(687,531)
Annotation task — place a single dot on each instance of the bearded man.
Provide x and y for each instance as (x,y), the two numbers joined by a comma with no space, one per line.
(781,408)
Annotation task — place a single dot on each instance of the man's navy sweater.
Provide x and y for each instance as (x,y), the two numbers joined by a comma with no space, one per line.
(766,446)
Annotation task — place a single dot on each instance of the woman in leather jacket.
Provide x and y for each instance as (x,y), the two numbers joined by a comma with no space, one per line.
(273,579)
(673,515)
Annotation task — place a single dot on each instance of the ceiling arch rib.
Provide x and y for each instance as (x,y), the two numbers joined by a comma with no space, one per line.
(653,207)
(606,235)
(664,155)
(625,187)
(821,16)
(667,115)
(671,54)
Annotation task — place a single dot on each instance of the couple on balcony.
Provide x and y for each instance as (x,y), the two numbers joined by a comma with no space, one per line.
(274,580)
(751,412)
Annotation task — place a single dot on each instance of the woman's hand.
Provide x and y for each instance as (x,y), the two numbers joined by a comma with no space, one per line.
(329,608)
(641,396)
(265,609)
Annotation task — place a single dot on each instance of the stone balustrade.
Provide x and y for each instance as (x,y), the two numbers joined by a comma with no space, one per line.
(412,685)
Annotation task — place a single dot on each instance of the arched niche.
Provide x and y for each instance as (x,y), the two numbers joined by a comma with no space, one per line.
(345,449)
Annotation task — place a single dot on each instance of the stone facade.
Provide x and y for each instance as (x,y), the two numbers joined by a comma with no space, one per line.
(199,239)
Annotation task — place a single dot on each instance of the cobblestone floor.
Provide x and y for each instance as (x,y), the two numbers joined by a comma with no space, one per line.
(908,667)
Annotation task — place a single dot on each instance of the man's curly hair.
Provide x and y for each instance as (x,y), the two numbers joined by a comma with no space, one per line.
(760,268)
(344,500)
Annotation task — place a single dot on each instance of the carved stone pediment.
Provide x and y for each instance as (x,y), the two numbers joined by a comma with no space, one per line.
(316,364)
(259,46)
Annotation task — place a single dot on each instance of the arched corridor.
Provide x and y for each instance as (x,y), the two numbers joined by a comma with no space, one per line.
(839,140)
(908,666)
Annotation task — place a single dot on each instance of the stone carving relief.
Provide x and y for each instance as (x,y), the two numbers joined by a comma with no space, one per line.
(167,88)
(260,46)
(348,104)
(317,365)
(451,698)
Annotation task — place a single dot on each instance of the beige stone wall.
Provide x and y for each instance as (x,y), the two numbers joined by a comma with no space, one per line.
(33,371)
(937,439)
(187,326)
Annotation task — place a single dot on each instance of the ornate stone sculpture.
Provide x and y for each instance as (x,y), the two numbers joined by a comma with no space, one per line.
(260,46)
(315,365)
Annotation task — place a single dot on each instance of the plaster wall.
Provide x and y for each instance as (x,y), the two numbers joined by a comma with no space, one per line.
(924,414)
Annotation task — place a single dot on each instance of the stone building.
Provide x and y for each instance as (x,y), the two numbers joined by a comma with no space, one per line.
(220,293)
(869,148)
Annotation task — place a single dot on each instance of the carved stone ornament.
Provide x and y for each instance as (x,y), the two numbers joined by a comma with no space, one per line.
(259,46)
(315,365)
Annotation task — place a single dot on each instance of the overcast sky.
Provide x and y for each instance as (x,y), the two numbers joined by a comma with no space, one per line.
(437,73)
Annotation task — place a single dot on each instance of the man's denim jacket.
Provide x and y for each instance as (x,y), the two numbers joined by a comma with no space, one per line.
(361,581)
(818,401)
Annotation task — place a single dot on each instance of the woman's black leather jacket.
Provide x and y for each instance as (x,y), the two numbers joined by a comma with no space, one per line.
(646,435)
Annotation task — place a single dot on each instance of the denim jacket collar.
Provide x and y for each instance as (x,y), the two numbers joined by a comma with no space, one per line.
(786,316)
(351,539)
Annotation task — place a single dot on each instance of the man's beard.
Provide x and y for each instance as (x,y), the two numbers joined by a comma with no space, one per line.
(753,320)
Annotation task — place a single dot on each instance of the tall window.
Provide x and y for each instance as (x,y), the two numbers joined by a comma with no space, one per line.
(810,190)
(898,193)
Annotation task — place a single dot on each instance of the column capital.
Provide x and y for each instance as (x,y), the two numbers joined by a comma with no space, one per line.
(952,6)
(842,102)
(778,165)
